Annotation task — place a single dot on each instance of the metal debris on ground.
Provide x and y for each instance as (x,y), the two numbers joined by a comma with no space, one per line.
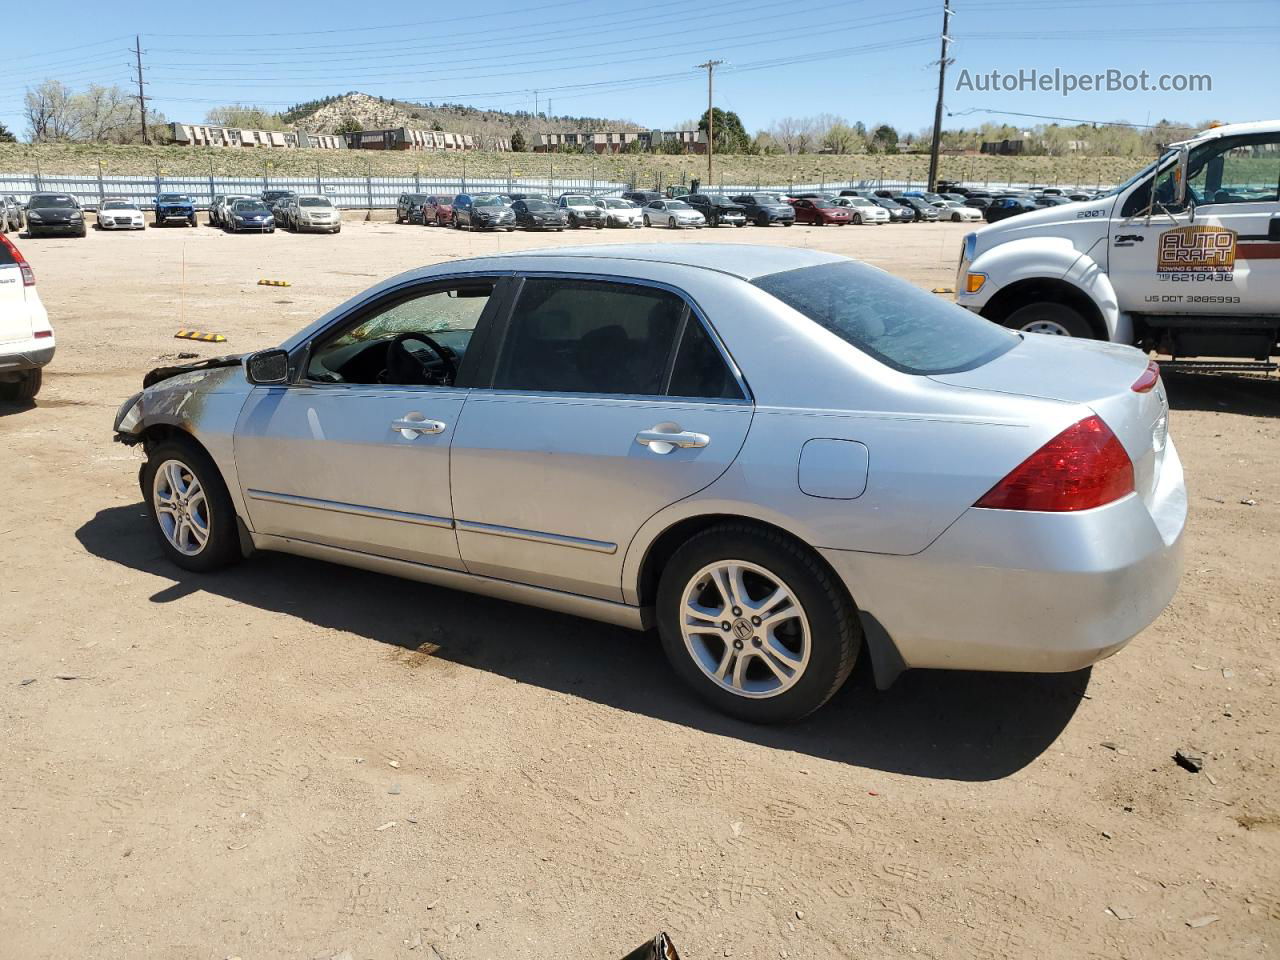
(659,948)
(1122,913)
(1188,760)
(944,289)
(274,283)
(385,826)
(200,335)
(1198,922)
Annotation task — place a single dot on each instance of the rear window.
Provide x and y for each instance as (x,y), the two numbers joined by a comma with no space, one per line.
(6,256)
(889,319)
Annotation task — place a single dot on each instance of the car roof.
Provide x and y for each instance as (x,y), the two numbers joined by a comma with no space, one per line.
(744,260)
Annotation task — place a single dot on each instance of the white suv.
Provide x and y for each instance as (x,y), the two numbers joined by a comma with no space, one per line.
(26,338)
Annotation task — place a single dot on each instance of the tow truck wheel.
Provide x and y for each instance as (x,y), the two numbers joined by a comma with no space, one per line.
(1055,319)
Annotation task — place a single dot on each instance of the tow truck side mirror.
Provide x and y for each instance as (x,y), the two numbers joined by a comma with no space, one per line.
(1180,178)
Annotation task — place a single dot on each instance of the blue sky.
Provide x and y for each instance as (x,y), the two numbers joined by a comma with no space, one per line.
(867,60)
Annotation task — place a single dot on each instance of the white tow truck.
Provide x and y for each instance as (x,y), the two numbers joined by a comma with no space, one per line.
(1190,268)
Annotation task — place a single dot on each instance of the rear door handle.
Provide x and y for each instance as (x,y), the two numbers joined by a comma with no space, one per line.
(414,424)
(662,441)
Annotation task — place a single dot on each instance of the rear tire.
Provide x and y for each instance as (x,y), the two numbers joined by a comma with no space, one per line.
(821,637)
(1050,318)
(24,390)
(209,504)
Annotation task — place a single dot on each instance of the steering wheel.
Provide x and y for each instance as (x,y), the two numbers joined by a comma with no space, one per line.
(403,367)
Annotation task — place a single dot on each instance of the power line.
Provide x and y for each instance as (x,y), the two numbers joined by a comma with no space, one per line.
(1042,116)
(753,37)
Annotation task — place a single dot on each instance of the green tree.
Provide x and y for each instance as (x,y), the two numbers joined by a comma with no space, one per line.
(884,139)
(6,136)
(348,125)
(518,144)
(730,135)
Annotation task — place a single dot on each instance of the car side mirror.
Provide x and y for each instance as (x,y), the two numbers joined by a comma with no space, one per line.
(267,368)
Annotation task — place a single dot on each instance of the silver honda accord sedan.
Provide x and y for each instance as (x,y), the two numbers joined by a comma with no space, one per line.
(775,456)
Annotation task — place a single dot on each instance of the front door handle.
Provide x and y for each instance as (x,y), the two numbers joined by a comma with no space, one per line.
(414,424)
(664,441)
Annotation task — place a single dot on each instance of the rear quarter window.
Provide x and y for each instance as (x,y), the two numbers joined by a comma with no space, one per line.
(889,319)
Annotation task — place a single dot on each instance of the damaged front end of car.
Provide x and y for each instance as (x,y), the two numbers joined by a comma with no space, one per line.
(145,406)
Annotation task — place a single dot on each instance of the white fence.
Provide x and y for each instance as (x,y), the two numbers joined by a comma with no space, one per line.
(383,192)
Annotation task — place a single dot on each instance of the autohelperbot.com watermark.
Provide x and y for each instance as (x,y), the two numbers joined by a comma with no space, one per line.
(1064,82)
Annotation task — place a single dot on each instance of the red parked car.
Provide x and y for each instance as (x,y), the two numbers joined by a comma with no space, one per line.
(438,211)
(820,212)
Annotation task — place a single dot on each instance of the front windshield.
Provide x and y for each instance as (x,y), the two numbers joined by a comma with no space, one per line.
(118,205)
(314,202)
(45,202)
(488,202)
(578,202)
(619,204)
(174,198)
(677,205)
(249,206)
(766,198)
(822,203)
(538,205)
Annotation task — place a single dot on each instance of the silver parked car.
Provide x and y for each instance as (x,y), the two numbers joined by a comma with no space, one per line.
(674,214)
(10,214)
(777,456)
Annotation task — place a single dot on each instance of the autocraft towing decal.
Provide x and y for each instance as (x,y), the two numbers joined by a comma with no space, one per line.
(1196,253)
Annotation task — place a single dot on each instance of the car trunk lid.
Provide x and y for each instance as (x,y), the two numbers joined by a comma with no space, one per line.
(1101,376)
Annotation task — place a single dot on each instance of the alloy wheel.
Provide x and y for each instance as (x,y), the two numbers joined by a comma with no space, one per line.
(182,510)
(745,629)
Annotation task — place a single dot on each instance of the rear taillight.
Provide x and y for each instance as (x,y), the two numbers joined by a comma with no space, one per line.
(1084,466)
(1150,377)
(28,275)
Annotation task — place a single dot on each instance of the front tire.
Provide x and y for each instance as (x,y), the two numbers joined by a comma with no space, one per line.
(24,390)
(189,507)
(857,219)
(756,624)
(1056,319)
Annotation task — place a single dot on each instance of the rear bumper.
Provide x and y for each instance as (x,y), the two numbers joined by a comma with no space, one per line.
(1023,591)
(16,357)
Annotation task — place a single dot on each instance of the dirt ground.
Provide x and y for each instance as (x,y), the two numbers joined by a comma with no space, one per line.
(292,759)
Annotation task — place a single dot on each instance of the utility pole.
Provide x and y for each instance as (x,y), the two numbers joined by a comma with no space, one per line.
(710,67)
(937,110)
(535,103)
(142,99)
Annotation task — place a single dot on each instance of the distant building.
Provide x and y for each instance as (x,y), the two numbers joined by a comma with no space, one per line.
(209,135)
(1004,148)
(398,138)
(613,141)
(406,138)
